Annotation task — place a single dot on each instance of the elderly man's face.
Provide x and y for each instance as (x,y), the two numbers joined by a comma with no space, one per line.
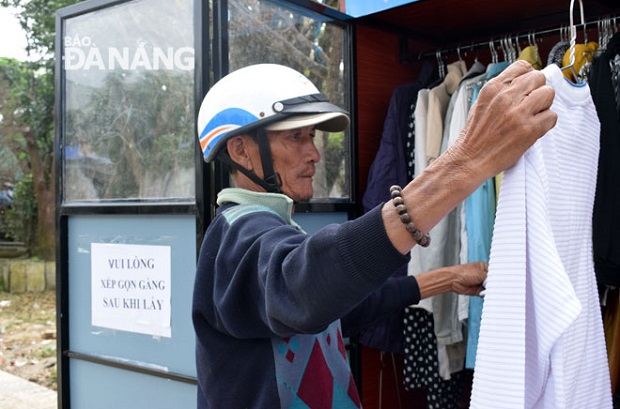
(294,155)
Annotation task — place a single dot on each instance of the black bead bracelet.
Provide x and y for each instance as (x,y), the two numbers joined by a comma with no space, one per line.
(399,203)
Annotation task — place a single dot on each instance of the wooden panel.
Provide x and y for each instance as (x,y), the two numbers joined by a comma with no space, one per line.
(448,22)
(382,382)
(379,71)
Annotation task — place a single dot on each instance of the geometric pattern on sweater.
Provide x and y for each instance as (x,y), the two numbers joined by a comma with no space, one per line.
(310,373)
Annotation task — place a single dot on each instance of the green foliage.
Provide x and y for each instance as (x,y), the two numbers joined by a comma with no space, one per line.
(9,165)
(27,112)
(22,216)
(136,126)
(333,156)
(38,19)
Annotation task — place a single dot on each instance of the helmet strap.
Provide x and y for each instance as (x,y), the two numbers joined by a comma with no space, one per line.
(271,181)
(270,177)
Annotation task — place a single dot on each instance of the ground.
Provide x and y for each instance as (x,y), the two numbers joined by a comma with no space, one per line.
(28,336)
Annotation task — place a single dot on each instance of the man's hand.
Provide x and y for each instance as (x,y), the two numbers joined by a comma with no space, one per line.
(511,112)
(468,278)
(463,279)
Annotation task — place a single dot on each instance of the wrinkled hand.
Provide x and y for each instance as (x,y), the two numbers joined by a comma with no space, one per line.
(468,278)
(511,112)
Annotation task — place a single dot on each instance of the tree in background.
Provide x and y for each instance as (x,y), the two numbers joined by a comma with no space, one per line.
(266,32)
(128,131)
(129,136)
(27,111)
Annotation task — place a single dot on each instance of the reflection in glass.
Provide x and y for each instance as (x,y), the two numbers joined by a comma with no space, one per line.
(129,110)
(262,32)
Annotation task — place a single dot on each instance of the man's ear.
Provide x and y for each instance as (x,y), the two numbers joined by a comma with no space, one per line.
(239,150)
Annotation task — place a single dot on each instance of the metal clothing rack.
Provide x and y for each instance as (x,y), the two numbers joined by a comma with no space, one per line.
(604,22)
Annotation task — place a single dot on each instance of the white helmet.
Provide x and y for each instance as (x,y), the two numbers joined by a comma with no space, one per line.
(267,96)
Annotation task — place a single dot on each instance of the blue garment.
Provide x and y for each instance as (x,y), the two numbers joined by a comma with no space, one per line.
(390,166)
(269,301)
(479,219)
(493,70)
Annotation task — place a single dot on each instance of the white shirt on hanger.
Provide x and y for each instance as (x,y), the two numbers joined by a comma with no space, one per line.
(541,340)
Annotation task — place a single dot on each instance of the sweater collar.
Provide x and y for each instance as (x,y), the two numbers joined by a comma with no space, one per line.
(281,204)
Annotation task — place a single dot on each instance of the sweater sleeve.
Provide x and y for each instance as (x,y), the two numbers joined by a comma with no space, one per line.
(393,296)
(258,276)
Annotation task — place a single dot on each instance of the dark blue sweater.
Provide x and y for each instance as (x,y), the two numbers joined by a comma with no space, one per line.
(269,300)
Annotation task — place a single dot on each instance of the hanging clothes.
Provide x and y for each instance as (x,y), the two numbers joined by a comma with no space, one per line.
(541,339)
(531,55)
(390,167)
(606,216)
(428,364)
(438,101)
(611,325)
(420,125)
(420,363)
(556,54)
(479,219)
(459,117)
(450,310)
(443,251)
(456,116)
(456,104)
(584,54)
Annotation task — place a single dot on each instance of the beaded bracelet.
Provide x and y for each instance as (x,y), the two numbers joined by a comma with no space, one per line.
(399,203)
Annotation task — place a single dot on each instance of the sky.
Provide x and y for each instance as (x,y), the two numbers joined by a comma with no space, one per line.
(12,39)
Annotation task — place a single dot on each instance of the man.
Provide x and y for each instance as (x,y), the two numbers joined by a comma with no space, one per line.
(270,301)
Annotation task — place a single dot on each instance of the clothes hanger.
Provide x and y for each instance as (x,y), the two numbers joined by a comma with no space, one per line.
(494,56)
(566,33)
(516,47)
(440,65)
(511,49)
(519,49)
(531,38)
(507,49)
(604,33)
(600,25)
(476,51)
(573,39)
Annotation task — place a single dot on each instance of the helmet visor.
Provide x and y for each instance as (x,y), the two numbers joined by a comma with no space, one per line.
(329,121)
(309,110)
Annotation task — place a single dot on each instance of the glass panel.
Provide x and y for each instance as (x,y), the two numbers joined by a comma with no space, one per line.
(262,32)
(96,386)
(129,109)
(175,353)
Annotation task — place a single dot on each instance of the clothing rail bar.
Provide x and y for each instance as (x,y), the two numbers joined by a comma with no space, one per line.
(527,35)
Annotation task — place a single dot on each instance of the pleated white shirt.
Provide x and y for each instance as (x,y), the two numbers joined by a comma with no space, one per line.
(541,338)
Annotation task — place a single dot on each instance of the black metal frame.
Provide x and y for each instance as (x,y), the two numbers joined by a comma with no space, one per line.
(211,64)
(220,68)
(129,207)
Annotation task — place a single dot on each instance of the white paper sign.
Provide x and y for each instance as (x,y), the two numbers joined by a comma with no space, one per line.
(131,288)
